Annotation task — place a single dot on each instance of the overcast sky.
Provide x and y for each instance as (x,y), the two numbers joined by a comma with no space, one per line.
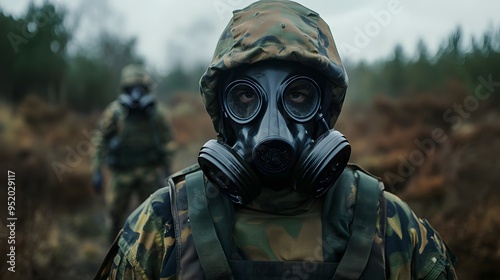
(186,31)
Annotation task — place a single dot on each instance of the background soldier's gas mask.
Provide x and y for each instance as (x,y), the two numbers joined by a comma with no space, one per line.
(275,134)
(137,99)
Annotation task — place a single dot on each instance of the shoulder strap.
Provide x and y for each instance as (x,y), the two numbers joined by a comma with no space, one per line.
(210,252)
(180,175)
(359,246)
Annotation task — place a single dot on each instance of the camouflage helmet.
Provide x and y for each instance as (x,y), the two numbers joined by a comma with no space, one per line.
(279,30)
(135,74)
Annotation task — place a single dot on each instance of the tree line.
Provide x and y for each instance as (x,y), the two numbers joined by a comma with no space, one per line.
(455,60)
(35,60)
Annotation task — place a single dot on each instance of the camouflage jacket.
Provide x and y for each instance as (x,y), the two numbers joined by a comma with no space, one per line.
(156,242)
(136,141)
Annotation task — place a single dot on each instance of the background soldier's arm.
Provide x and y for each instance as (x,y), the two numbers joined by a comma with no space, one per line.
(100,146)
(106,126)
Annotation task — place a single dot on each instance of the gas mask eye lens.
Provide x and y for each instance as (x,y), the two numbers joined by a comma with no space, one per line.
(301,98)
(243,101)
(246,97)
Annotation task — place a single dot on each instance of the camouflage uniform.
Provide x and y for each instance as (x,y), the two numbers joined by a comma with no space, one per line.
(283,236)
(141,161)
(156,242)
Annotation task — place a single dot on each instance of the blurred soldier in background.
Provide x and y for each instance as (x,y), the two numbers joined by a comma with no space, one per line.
(133,139)
(274,196)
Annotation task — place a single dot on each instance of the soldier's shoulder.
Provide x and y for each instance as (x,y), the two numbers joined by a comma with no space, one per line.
(112,110)
(161,111)
(159,201)
(354,167)
(397,205)
(152,212)
(401,220)
(160,198)
(113,106)
(162,107)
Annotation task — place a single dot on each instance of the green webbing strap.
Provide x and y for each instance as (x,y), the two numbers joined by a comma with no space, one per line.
(358,248)
(207,243)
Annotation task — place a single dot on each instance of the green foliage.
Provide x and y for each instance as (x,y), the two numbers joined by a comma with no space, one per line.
(401,75)
(33,54)
(87,83)
(7,60)
(180,80)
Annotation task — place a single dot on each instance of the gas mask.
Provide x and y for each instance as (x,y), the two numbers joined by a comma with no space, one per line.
(137,99)
(274,135)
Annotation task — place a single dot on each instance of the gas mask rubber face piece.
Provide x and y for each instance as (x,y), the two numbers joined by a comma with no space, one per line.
(137,99)
(275,135)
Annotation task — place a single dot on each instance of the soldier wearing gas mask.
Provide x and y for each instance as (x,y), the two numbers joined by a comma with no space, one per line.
(133,140)
(273,197)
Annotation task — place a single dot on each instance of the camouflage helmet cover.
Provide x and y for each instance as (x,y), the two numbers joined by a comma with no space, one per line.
(280,30)
(135,74)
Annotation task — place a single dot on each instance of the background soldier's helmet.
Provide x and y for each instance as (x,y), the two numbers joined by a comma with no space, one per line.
(134,75)
(278,30)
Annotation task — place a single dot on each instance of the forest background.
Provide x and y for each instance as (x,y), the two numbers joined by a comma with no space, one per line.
(428,124)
